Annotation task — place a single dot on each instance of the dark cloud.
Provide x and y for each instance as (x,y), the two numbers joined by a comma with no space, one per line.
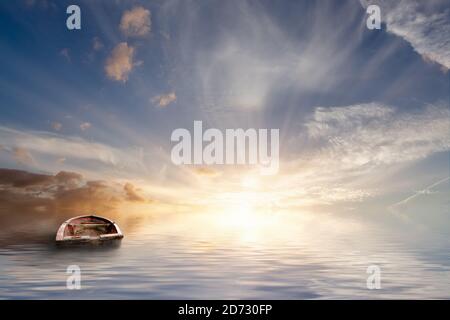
(23,179)
(20,179)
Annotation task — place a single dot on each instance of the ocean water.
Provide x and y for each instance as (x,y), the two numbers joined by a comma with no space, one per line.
(192,258)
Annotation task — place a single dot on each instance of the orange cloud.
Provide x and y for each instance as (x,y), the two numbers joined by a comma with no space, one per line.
(165,99)
(135,22)
(132,193)
(120,63)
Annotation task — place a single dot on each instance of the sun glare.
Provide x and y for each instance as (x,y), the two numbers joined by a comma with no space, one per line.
(250,182)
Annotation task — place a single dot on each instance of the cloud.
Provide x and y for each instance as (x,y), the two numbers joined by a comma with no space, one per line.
(22,156)
(85,125)
(347,114)
(165,99)
(120,63)
(374,134)
(21,179)
(56,126)
(253,57)
(83,155)
(424,24)
(351,153)
(61,160)
(27,180)
(135,22)
(132,194)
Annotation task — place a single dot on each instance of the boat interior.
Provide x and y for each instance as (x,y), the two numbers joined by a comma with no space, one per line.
(89,226)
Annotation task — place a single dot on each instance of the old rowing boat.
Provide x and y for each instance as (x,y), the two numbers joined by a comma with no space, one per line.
(88,229)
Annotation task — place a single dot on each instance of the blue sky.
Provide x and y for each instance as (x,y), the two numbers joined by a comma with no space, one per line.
(363,114)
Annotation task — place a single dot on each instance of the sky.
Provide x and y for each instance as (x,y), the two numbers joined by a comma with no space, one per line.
(364,119)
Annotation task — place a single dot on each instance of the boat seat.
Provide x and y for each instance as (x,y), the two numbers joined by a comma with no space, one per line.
(94,224)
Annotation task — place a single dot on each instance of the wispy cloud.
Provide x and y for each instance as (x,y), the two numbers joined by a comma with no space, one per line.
(350,151)
(373,134)
(242,67)
(78,154)
(424,24)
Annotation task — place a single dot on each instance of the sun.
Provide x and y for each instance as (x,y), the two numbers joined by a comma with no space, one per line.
(246,208)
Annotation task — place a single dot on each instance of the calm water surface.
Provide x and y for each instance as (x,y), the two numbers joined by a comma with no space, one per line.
(188,260)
